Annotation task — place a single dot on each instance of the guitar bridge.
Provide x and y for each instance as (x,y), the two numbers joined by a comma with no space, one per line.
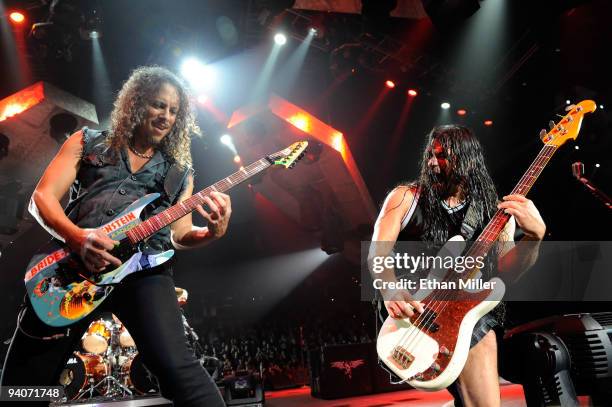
(402,357)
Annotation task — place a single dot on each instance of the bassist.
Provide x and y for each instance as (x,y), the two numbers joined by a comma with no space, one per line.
(453,182)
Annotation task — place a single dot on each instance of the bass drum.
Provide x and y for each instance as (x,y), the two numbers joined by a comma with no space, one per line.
(137,376)
(82,372)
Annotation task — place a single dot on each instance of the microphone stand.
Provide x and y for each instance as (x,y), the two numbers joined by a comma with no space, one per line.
(578,171)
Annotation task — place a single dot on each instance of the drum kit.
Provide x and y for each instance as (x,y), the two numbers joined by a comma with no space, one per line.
(109,365)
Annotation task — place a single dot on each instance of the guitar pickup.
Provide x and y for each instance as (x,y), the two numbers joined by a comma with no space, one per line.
(402,357)
(427,319)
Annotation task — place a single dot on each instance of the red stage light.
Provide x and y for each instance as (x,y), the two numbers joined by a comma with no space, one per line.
(488,122)
(390,84)
(461,112)
(17,17)
(412,92)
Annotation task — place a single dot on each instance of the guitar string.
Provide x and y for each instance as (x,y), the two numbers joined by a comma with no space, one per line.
(143,230)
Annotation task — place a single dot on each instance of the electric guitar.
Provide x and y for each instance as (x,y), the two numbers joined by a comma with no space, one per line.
(61,289)
(429,350)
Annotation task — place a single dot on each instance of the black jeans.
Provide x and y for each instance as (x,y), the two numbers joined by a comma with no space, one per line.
(146,303)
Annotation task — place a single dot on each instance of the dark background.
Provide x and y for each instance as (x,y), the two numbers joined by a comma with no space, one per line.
(515,67)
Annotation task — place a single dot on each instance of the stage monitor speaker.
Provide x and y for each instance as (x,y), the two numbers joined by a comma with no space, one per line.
(341,371)
(243,389)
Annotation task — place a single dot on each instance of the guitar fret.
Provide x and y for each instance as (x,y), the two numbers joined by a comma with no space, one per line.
(497,223)
(166,217)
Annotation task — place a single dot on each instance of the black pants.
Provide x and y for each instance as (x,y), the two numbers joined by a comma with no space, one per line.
(146,303)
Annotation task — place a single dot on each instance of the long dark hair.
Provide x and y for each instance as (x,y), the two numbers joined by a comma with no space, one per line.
(468,171)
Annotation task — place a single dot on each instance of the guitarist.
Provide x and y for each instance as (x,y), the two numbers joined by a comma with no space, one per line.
(454,184)
(146,150)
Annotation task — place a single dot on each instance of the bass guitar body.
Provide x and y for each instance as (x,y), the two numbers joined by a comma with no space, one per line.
(429,350)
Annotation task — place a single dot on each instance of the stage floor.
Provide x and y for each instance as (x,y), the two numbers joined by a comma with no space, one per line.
(512,396)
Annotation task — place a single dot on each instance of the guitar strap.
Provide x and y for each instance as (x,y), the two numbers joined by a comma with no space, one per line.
(468,226)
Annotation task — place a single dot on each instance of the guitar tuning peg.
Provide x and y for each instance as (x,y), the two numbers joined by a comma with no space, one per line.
(543,133)
(569,107)
(551,124)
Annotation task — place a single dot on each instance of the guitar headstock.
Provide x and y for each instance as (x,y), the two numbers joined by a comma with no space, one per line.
(287,157)
(569,126)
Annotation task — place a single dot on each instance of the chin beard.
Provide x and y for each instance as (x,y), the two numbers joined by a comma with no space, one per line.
(442,184)
(154,141)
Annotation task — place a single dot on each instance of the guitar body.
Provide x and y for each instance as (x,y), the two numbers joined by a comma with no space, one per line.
(63,292)
(429,351)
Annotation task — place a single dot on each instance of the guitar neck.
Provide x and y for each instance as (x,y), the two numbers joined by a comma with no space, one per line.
(491,232)
(166,217)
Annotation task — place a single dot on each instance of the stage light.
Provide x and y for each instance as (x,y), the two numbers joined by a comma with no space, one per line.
(237,159)
(202,99)
(280,39)
(301,121)
(445,105)
(17,17)
(576,147)
(461,112)
(226,139)
(568,102)
(313,31)
(597,165)
(200,76)
(412,92)
(390,84)
(91,25)
(488,123)
(601,106)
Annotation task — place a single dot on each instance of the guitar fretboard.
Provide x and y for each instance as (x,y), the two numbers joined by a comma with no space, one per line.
(491,232)
(166,217)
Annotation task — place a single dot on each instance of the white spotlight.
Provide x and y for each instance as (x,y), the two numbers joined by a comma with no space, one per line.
(597,165)
(280,39)
(601,106)
(200,76)
(226,139)
(568,102)
(445,105)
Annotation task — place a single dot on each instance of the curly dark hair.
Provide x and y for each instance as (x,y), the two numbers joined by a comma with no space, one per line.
(468,170)
(131,104)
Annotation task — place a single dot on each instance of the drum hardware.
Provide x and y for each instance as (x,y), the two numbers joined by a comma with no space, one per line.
(109,364)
